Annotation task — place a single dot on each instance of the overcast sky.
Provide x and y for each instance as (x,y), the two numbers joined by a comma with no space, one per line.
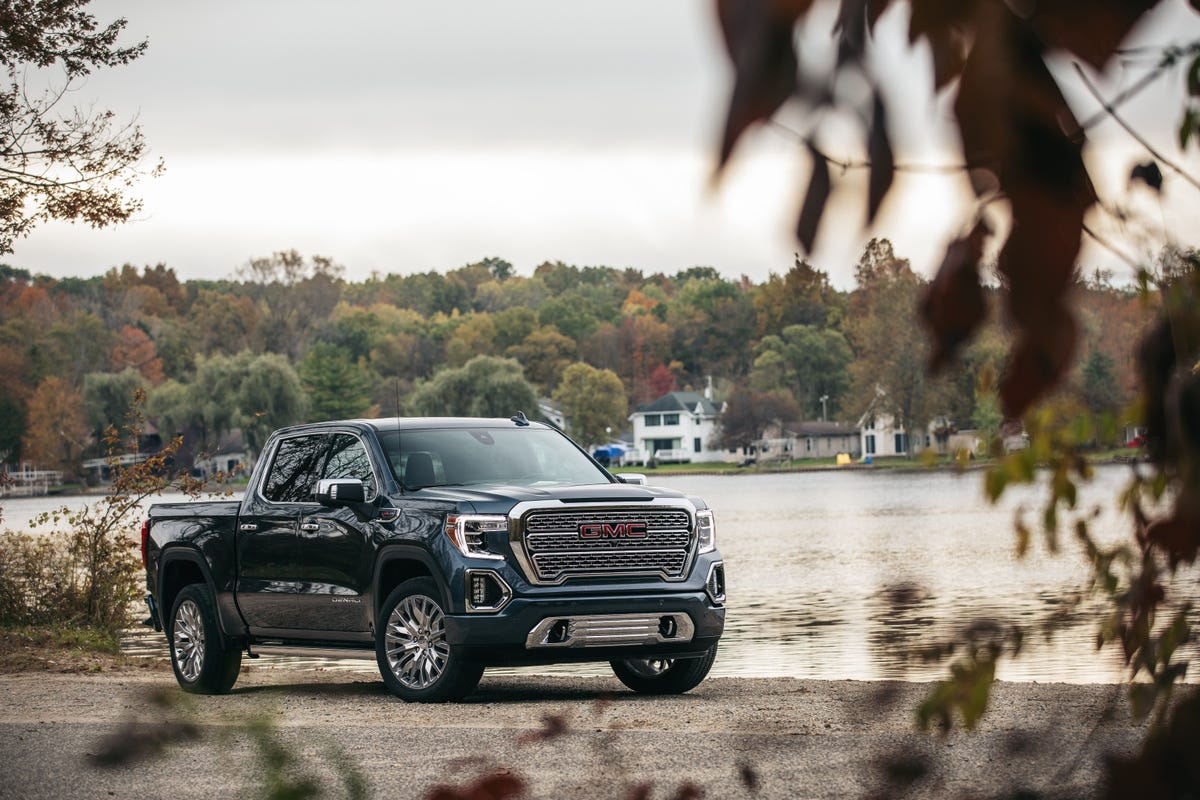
(396,136)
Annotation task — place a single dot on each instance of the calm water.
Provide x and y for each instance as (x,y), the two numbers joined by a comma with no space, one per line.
(840,574)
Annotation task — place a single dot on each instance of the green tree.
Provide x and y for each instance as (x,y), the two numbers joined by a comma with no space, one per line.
(1100,392)
(811,363)
(338,386)
(107,395)
(593,401)
(486,386)
(256,394)
(57,163)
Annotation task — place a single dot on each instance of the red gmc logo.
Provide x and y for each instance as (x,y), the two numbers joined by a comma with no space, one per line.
(606,530)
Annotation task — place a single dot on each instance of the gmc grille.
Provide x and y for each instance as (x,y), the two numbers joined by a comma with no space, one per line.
(556,550)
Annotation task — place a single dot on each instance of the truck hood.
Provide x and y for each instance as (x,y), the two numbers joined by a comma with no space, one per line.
(500,499)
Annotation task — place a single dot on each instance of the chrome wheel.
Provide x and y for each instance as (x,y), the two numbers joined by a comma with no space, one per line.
(415,642)
(649,667)
(188,640)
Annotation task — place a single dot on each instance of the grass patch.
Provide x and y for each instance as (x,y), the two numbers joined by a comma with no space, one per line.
(61,649)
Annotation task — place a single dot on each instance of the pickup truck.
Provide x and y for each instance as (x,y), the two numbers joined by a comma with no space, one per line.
(446,545)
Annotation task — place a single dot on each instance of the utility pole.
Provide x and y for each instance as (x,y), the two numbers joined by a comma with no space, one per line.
(824,397)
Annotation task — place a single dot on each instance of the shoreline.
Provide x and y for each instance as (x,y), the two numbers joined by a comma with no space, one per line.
(889,465)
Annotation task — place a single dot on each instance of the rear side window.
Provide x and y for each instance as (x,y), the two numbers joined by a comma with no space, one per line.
(295,470)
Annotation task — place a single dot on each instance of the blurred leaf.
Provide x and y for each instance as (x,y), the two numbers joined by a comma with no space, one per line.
(1091,29)
(943,23)
(759,39)
(1142,696)
(1187,127)
(995,481)
(1149,174)
(1050,525)
(1193,78)
(814,200)
(1023,537)
(879,152)
(953,305)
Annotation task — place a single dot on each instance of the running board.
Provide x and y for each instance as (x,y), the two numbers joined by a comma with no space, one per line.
(256,649)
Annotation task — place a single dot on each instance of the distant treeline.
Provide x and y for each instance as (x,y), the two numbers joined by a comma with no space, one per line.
(290,339)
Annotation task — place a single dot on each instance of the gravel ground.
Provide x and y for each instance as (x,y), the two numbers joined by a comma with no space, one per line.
(561,737)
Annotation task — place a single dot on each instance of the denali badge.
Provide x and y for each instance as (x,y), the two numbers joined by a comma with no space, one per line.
(607,530)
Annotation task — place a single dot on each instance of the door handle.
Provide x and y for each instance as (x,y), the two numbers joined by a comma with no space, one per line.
(309,526)
(248,527)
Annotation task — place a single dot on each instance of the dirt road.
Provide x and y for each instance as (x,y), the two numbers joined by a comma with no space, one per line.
(561,737)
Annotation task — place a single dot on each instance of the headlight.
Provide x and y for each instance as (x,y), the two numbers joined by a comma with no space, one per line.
(706,531)
(468,532)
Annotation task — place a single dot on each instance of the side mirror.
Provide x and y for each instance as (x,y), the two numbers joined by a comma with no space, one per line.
(636,478)
(339,492)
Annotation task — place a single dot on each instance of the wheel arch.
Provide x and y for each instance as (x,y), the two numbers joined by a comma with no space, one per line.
(179,567)
(399,563)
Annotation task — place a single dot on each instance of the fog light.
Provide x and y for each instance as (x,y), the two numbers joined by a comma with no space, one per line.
(486,591)
(715,585)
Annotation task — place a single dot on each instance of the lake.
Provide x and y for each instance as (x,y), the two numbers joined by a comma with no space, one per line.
(836,575)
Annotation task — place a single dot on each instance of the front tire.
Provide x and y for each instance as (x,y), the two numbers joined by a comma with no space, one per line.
(418,665)
(664,675)
(204,660)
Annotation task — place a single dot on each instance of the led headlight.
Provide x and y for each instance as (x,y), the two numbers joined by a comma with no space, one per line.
(468,532)
(706,531)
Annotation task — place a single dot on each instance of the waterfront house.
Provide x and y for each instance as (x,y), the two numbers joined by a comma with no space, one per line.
(677,427)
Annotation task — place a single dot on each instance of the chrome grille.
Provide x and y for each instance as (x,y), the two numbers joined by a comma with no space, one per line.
(556,551)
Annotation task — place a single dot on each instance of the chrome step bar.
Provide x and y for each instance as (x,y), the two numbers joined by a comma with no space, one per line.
(611,630)
(305,651)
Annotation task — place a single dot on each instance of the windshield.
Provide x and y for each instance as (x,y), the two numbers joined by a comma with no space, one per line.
(475,456)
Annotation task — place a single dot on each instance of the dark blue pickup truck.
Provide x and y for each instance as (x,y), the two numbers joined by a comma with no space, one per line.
(446,546)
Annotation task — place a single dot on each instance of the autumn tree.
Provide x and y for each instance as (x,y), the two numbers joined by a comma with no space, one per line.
(544,354)
(56,433)
(748,415)
(57,162)
(291,292)
(593,402)
(888,374)
(135,350)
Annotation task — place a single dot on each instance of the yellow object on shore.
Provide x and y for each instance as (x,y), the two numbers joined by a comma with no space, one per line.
(843,459)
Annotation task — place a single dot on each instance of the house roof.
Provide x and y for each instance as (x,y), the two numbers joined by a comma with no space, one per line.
(679,401)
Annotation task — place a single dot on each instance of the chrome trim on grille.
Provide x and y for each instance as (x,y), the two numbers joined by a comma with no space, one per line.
(611,630)
(544,536)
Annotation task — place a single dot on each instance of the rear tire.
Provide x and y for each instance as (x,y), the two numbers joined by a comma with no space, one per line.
(418,665)
(204,659)
(664,675)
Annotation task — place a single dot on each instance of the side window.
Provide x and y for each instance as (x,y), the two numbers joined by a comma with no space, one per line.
(295,469)
(348,459)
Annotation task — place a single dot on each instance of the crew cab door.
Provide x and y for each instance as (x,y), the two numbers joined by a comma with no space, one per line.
(336,550)
(268,544)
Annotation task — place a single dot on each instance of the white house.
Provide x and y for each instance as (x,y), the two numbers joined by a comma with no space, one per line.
(675,427)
